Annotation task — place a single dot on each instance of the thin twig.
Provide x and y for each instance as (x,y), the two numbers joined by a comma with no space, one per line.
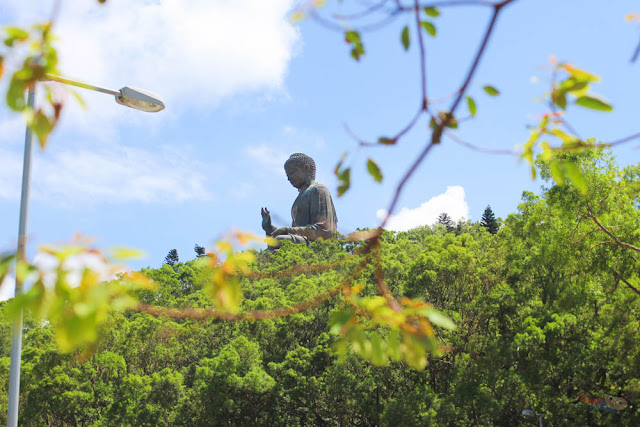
(570,128)
(623,140)
(423,59)
(365,28)
(485,40)
(362,14)
(497,8)
(55,11)
(471,146)
(636,53)
(452,3)
(403,131)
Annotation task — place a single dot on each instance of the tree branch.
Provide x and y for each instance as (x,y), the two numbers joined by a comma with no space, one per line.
(436,134)
(473,147)
(621,279)
(610,234)
(423,59)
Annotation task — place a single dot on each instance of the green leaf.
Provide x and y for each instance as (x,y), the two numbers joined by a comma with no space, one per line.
(414,352)
(405,37)
(491,90)
(472,106)
(579,74)
(5,265)
(593,103)
(121,253)
(339,319)
(42,126)
(387,141)
(339,165)
(439,319)
(30,300)
(432,11)
(352,37)
(559,98)
(23,270)
(357,52)
(429,27)
(378,357)
(556,172)
(15,94)
(374,170)
(393,345)
(124,302)
(16,33)
(452,123)
(345,181)
(78,99)
(574,174)
(573,85)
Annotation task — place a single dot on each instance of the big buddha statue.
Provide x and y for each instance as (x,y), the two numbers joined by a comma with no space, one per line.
(312,212)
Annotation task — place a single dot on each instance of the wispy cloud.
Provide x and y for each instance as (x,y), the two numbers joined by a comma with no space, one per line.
(452,201)
(269,157)
(111,175)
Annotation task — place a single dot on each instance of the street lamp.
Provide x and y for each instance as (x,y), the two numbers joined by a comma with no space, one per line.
(130,97)
(530,413)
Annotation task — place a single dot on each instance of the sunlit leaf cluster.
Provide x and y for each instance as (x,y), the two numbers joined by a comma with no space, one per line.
(74,291)
(570,85)
(377,331)
(40,59)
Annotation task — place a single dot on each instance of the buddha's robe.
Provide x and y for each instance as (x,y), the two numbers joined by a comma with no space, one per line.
(313,214)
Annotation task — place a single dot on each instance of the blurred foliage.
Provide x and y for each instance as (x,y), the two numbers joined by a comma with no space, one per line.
(40,58)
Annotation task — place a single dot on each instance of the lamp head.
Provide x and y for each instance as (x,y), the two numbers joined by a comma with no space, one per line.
(140,99)
(528,412)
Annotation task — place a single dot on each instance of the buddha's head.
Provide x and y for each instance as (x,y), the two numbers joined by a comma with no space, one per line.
(300,169)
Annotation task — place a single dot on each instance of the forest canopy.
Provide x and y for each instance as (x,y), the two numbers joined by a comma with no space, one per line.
(546,312)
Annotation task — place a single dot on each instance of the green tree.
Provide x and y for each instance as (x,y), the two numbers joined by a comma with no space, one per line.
(172,258)
(489,221)
(199,250)
(446,220)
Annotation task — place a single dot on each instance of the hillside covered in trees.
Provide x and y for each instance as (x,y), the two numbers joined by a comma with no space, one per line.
(547,310)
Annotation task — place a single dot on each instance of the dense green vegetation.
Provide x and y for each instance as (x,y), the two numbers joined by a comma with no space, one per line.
(547,309)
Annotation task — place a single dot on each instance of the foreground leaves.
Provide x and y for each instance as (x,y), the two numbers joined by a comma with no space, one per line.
(75,291)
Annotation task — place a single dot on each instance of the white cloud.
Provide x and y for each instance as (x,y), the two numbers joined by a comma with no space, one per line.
(192,52)
(452,201)
(268,157)
(242,190)
(109,175)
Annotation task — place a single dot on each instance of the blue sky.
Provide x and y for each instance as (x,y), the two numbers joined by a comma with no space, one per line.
(245,88)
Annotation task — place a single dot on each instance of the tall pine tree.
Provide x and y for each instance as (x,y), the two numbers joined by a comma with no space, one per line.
(489,221)
(446,220)
(172,257)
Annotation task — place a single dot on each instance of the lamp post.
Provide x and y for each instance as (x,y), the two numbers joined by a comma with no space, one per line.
(130,97)
(530,413)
